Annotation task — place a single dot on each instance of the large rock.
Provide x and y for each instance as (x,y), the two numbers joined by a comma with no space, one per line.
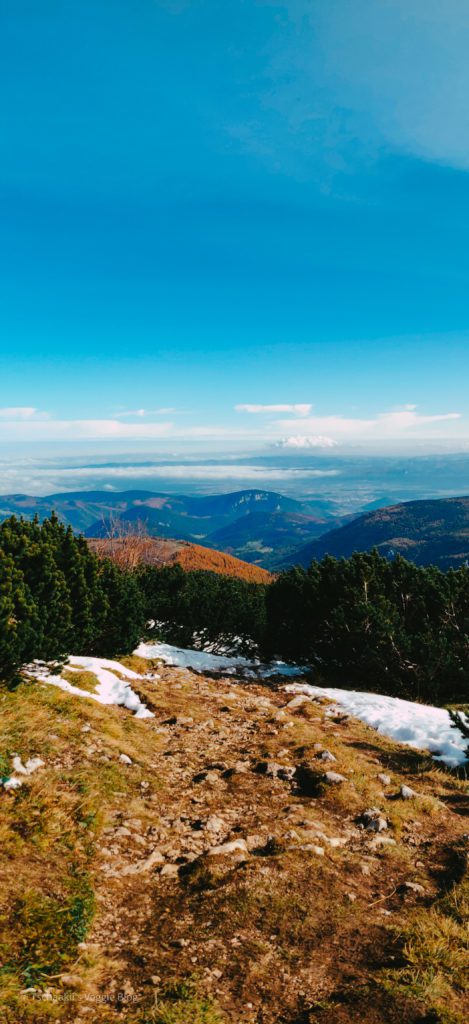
(334,778)
(412,887)
(373,820)
(298,702)
(236,846)
(406,793)
(169,871)
(275,771)
(72,981)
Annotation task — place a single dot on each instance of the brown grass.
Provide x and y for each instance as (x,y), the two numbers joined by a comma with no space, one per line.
(132,550)
(282,936)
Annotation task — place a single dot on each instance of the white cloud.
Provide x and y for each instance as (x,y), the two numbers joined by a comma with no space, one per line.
(215,433)
(22,412)
(407,418)
(385,425)
(329,426)
(37,429)
(141,413)
(37,480)
(29,425)
(296,409)
(306,441)
(130,412)
(227,471)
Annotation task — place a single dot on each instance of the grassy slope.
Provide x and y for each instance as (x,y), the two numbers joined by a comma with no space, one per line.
(131,551)
(284,936)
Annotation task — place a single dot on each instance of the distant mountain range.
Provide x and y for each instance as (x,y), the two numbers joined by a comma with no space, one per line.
(257,526)
(263,528)
(433,532)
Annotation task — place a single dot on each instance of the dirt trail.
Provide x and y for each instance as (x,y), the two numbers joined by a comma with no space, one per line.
(297,902)
(249,857)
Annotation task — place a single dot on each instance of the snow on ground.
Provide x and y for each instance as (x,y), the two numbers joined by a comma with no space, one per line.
(20,770)
(416,725)
(204,661)
(110,689)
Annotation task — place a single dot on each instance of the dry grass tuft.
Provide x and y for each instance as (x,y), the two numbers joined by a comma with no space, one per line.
(83,679)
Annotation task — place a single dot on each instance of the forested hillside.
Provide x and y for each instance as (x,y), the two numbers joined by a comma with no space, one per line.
(364,622)
(57,597)
(432,532)
(209,818)
(254,525)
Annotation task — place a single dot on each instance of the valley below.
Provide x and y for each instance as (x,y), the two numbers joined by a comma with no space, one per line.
(265,529)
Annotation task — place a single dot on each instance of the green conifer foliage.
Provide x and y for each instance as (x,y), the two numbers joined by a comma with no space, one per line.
(363,622)
(370,623)
(57,598)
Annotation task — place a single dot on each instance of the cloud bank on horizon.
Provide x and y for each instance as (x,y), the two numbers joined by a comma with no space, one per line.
(317,432)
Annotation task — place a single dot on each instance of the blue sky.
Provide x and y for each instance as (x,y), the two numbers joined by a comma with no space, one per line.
(240,225)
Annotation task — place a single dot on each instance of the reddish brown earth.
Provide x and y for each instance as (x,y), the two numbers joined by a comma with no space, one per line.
(135,550)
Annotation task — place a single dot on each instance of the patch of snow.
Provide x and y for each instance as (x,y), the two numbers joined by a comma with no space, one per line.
(420,726)
(204,661)
(110,689)
(20,769)
(32,764)
(225,643)
(12,783)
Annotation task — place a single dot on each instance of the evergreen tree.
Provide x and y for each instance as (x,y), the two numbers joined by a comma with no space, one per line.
(123,621)
(375,624)
(57,598)
(18,619)
(364,621)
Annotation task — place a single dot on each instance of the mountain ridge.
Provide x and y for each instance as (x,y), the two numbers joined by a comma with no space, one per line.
(276,518)
(427,532)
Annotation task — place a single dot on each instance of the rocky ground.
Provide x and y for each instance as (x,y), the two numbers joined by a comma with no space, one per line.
(244,857)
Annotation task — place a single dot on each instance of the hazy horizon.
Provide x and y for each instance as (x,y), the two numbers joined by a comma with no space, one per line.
(345,484)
